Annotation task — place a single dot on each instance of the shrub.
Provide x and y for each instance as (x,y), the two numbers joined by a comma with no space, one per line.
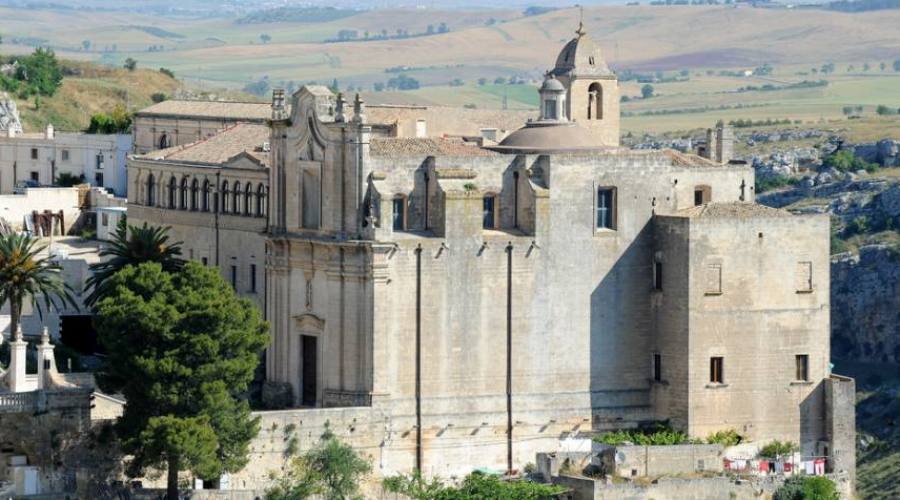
(846,161)
(66,179)
(116,122)
(158,97)
(771,182)
(130,64)
(777,449)
(728,437)
(858,225)
(167,72)
(660,434)
(807,488)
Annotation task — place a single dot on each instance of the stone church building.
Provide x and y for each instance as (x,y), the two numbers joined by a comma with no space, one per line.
(450,302)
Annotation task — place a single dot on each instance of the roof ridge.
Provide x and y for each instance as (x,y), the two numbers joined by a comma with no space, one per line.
(190,145)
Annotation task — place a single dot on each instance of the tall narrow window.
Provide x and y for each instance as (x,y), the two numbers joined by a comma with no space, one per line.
(226,197)
(236,201)
(34,153)
(489,218)
(163,141)
(804,277)
(172,189)
(657,367)
(399,222)
(802,367)
(253,278)
(606,208)
(65,155)
(657,275)
(98,179)
(151,191)
(716,370)
(261,203)
(248,199)
(195,188)
(205,198)
(234,277)
(184,194)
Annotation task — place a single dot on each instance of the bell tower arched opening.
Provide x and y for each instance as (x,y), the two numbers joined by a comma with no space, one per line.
(595,102)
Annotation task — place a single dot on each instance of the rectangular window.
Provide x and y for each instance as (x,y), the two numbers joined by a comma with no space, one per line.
(550,109)
(802,365)
(716,373)
(99,161)
(98,179)
(204,261)
(489,202)
(399,223)
(34,154)
(804,277)
(234,277)
(253,278)
(702,195)
(104,219)
(36,177)
(606,208)
(713,279)
(657,367)
(65,155)
(657,276)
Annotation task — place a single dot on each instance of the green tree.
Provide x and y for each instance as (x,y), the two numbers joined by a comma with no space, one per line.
(647,91)
(66,179)
(130,64)
(807,488)
(182,349)
(25,275)
(118,121)
(131,246)
(40,71)
(332,469)
(86,44)
(265,38)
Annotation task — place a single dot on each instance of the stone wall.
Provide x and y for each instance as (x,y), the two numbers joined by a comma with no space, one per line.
(654,461)
(14,208)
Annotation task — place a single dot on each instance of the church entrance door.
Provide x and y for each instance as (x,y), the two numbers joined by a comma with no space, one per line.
(308,348)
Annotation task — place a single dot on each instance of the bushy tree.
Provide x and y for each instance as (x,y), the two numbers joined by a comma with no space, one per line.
(66,179)
(647,91)
(182,348)
(130,64)
(332,470)
(40,71)
(807,488)
(118,121)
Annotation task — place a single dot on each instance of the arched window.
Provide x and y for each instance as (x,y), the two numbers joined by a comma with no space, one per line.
(195,187)
(163,141)
(236,203)
(248,199)
(595,102)
(226,197)
(205,200)
(399,213)
(261,205)
(184,194)
(151,191)
(173,186)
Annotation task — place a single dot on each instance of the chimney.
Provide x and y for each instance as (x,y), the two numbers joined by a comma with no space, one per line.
(48,132)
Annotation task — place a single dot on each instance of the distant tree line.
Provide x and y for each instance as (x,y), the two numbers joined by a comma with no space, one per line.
(296,15)
(350,35)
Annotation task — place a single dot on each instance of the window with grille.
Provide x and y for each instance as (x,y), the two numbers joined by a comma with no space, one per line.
(716,370)
(606,208)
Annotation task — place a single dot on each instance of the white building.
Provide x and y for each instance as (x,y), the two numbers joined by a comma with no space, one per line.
(40,158)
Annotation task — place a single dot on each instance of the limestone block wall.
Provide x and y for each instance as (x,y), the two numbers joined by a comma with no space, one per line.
(763,317)
(654,461)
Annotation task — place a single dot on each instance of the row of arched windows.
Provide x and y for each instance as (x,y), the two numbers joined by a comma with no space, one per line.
(235,198)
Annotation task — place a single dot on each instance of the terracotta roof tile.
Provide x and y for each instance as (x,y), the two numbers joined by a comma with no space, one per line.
(731,210)
(429,146)
(234,140)
(251,111)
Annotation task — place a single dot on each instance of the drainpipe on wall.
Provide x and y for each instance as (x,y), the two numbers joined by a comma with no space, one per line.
(419,358)
(509,415)
(216,209)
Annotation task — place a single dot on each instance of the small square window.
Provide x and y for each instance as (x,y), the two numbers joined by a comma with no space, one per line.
(65,155)
(716,370)
(34,153)
(204,261)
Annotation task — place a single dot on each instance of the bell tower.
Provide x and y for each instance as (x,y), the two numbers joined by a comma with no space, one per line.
(592,88)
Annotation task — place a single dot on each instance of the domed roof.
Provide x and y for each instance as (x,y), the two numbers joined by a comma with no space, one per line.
(551,84)
(581,56)
(538,137)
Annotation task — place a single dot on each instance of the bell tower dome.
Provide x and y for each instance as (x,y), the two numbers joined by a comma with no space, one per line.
(592,88)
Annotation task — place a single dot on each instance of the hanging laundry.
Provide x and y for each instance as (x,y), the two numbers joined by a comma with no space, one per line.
(788,467)
(764,466)
(727,464)
(809,467)
(819,467)
(779,467)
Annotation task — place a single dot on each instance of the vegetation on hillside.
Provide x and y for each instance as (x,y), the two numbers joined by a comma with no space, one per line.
(118,121)
(660,434)
(38,74)
(296,14)
(807,488)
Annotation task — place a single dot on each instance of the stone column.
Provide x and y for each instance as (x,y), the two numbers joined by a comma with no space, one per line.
(45,361)
(17,348)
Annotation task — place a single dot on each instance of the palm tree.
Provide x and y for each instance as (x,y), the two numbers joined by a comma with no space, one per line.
(25,275)
(131,246)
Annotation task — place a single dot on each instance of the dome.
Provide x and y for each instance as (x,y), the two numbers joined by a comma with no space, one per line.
(551,84)
(581,56)
(539,137)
